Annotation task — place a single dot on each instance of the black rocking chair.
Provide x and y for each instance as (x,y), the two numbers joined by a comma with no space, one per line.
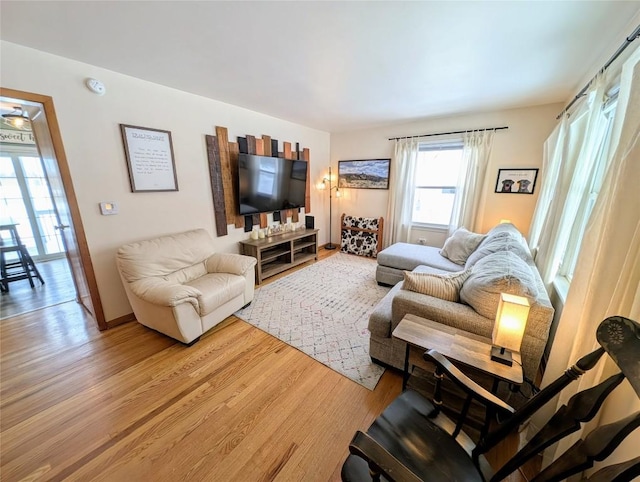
(410,442)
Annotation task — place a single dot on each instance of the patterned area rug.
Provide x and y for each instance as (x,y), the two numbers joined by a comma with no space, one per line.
(323,311)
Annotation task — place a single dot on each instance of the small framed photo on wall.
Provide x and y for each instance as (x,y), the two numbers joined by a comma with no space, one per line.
(516,181)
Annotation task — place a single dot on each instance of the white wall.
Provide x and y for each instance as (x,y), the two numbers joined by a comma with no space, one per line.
(90,131)
(518,147)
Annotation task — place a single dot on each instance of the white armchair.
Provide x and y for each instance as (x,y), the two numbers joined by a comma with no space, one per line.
(178,286)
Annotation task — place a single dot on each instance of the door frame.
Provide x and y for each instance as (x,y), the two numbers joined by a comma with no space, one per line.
(74,211)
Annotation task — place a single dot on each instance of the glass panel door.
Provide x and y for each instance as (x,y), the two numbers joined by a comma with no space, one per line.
(25,199)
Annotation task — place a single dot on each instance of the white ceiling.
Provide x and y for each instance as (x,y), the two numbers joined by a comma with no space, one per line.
(336,66)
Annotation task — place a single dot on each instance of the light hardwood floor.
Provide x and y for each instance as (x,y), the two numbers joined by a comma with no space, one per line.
(57,288)
(132,404)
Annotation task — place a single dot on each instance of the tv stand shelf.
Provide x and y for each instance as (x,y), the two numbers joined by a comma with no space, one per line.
(279,253)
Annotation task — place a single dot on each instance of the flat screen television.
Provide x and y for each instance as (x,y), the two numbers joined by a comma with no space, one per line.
(267,184)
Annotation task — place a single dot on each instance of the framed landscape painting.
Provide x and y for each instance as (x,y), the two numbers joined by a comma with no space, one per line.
(516,181)
(364,174)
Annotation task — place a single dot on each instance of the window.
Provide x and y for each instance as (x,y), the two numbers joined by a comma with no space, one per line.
(588,195)
(437,171)
(25,199)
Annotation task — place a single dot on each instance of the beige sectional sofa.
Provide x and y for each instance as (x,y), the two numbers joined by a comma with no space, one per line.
(502,262)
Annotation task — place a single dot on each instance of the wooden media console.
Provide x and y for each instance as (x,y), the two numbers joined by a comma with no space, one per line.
(281,252)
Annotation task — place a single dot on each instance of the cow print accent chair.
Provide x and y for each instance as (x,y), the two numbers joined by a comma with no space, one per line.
(361,236)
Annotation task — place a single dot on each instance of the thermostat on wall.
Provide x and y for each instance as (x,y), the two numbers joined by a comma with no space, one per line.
(108,208)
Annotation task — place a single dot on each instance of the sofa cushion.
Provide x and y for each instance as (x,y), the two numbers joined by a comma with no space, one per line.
(165,255)
(217,289)
(443,286)
(406,257)
(460,245)
(380,318)
(501,241)
(501,272)
(187,274)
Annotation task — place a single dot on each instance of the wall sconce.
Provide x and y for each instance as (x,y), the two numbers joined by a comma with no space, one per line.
(508,329)
(326,184)
(17,119)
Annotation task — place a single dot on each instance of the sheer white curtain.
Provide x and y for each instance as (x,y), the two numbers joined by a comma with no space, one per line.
(571,149)
(551,161)
(401,192)
(471,180)
(607,277)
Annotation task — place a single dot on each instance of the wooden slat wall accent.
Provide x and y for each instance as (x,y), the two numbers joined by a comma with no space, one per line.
(266,140)
(251,145)
(223,169)
(248,223)
(227,175)
(215,173)
(307,196)
(233,162)
(242,145)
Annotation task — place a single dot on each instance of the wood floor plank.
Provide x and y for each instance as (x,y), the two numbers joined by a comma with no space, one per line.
(120,388)
(88,435)
(191,419)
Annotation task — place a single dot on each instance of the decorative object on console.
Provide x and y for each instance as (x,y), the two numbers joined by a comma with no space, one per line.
(309,222)
(361,236)
(508,330)
(326,182)
(516,181)
(364,174)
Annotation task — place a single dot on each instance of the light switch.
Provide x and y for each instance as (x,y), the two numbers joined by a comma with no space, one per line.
(108,208)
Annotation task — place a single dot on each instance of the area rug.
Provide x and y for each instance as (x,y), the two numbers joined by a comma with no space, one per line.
(323,311)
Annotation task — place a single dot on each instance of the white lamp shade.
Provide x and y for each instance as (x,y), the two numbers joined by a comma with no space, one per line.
(511,320)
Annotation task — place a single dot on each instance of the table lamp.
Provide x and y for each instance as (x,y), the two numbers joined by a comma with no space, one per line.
(508,329)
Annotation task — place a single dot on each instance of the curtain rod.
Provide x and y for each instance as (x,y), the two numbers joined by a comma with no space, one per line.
(634,35)
(447,133)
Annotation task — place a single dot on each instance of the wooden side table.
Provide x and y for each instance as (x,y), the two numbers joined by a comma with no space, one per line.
(472,350)
(475,351)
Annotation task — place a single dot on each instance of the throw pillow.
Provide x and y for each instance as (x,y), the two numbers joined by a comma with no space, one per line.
(501,272)
(460,245)
(443,286)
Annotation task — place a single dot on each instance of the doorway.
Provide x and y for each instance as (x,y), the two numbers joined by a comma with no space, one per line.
(66,259)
